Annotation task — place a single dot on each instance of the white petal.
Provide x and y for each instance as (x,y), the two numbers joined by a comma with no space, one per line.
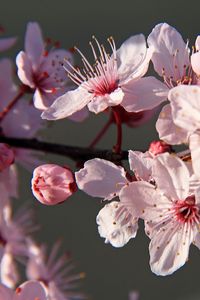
(143,94)
(101,178)
(185,103)
(132,58)
(168,131)
(169,51)
(25,72)
(141,164)
(67,104)
(171,176)
(194,144)
(9,271)
(116,224)
(169,249)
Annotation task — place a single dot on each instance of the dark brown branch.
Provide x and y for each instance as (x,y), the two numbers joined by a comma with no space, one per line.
(75,153)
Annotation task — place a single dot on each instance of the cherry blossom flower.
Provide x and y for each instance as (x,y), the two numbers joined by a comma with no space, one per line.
(186,113)
(172,62)
(104,179)
(54,272)
(171,212)
(52,184)
(29,290)
(114,79)
(41,69)
(13,234)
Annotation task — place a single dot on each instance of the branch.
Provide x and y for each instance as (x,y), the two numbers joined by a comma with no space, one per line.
(75,153)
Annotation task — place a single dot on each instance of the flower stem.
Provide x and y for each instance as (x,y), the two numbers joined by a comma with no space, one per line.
(6,110)
(118,145)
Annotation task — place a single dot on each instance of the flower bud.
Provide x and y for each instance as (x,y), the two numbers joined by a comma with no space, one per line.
(7,156)
(52,184)
(158,147)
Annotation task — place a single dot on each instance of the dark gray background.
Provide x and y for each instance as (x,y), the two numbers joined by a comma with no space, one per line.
(111,273)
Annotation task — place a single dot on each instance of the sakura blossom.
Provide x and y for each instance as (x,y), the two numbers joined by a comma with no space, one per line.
(171,213)
(52,184)
(114,79)
(172,61)
(55,272)
(29,290)
(41,69)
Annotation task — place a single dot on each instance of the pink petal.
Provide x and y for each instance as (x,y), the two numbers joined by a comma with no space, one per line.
(101,178)
(116,225)
(143,201)
(197,43)
(5,293)
(6,43)
(25,72)
(9,271)
(30,290)
(170,53)
(100,103)
(185,104)
(143,94)
(34,45)
(167,129)
(133,58)
(169,249)
(171,176)
(67,104)
(195,62)
(80,115)
(141,164)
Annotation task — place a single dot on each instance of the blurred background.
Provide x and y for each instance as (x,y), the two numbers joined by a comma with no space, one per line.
(110,273)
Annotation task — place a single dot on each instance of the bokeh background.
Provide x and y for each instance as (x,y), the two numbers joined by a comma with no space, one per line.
(110,273)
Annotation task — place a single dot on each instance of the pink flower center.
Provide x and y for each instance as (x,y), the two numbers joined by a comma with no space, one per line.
(100,78)
(187,211)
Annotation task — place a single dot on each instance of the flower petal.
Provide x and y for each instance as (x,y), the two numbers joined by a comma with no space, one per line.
(101,178)
(5,293)
(171,176)
(132,58)
(34,45)
(67,104)
(141,164)
(25,72)
(116,224)
(170,53)
(169,249)
(30,290)
(143,94)
(6,43)
(195,62)
(9,271)
(100,103)
(185,103)
(194,144)
(168,131)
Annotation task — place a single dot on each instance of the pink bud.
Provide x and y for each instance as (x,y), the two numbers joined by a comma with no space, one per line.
(7,156)
(52,184)
(158,147)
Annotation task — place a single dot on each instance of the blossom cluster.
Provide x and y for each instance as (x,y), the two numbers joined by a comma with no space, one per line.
(162,186)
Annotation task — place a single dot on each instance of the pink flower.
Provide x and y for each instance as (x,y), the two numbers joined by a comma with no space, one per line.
(158,147)
(13,234)
(171,212)
(53,271)
(185,105)
(40,69)
(29,290)
(52,184)
(171,61)
(102,178)
(113,79)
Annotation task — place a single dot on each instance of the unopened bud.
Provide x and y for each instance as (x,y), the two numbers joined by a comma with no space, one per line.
(158,147)
(52,184)
(7,156)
